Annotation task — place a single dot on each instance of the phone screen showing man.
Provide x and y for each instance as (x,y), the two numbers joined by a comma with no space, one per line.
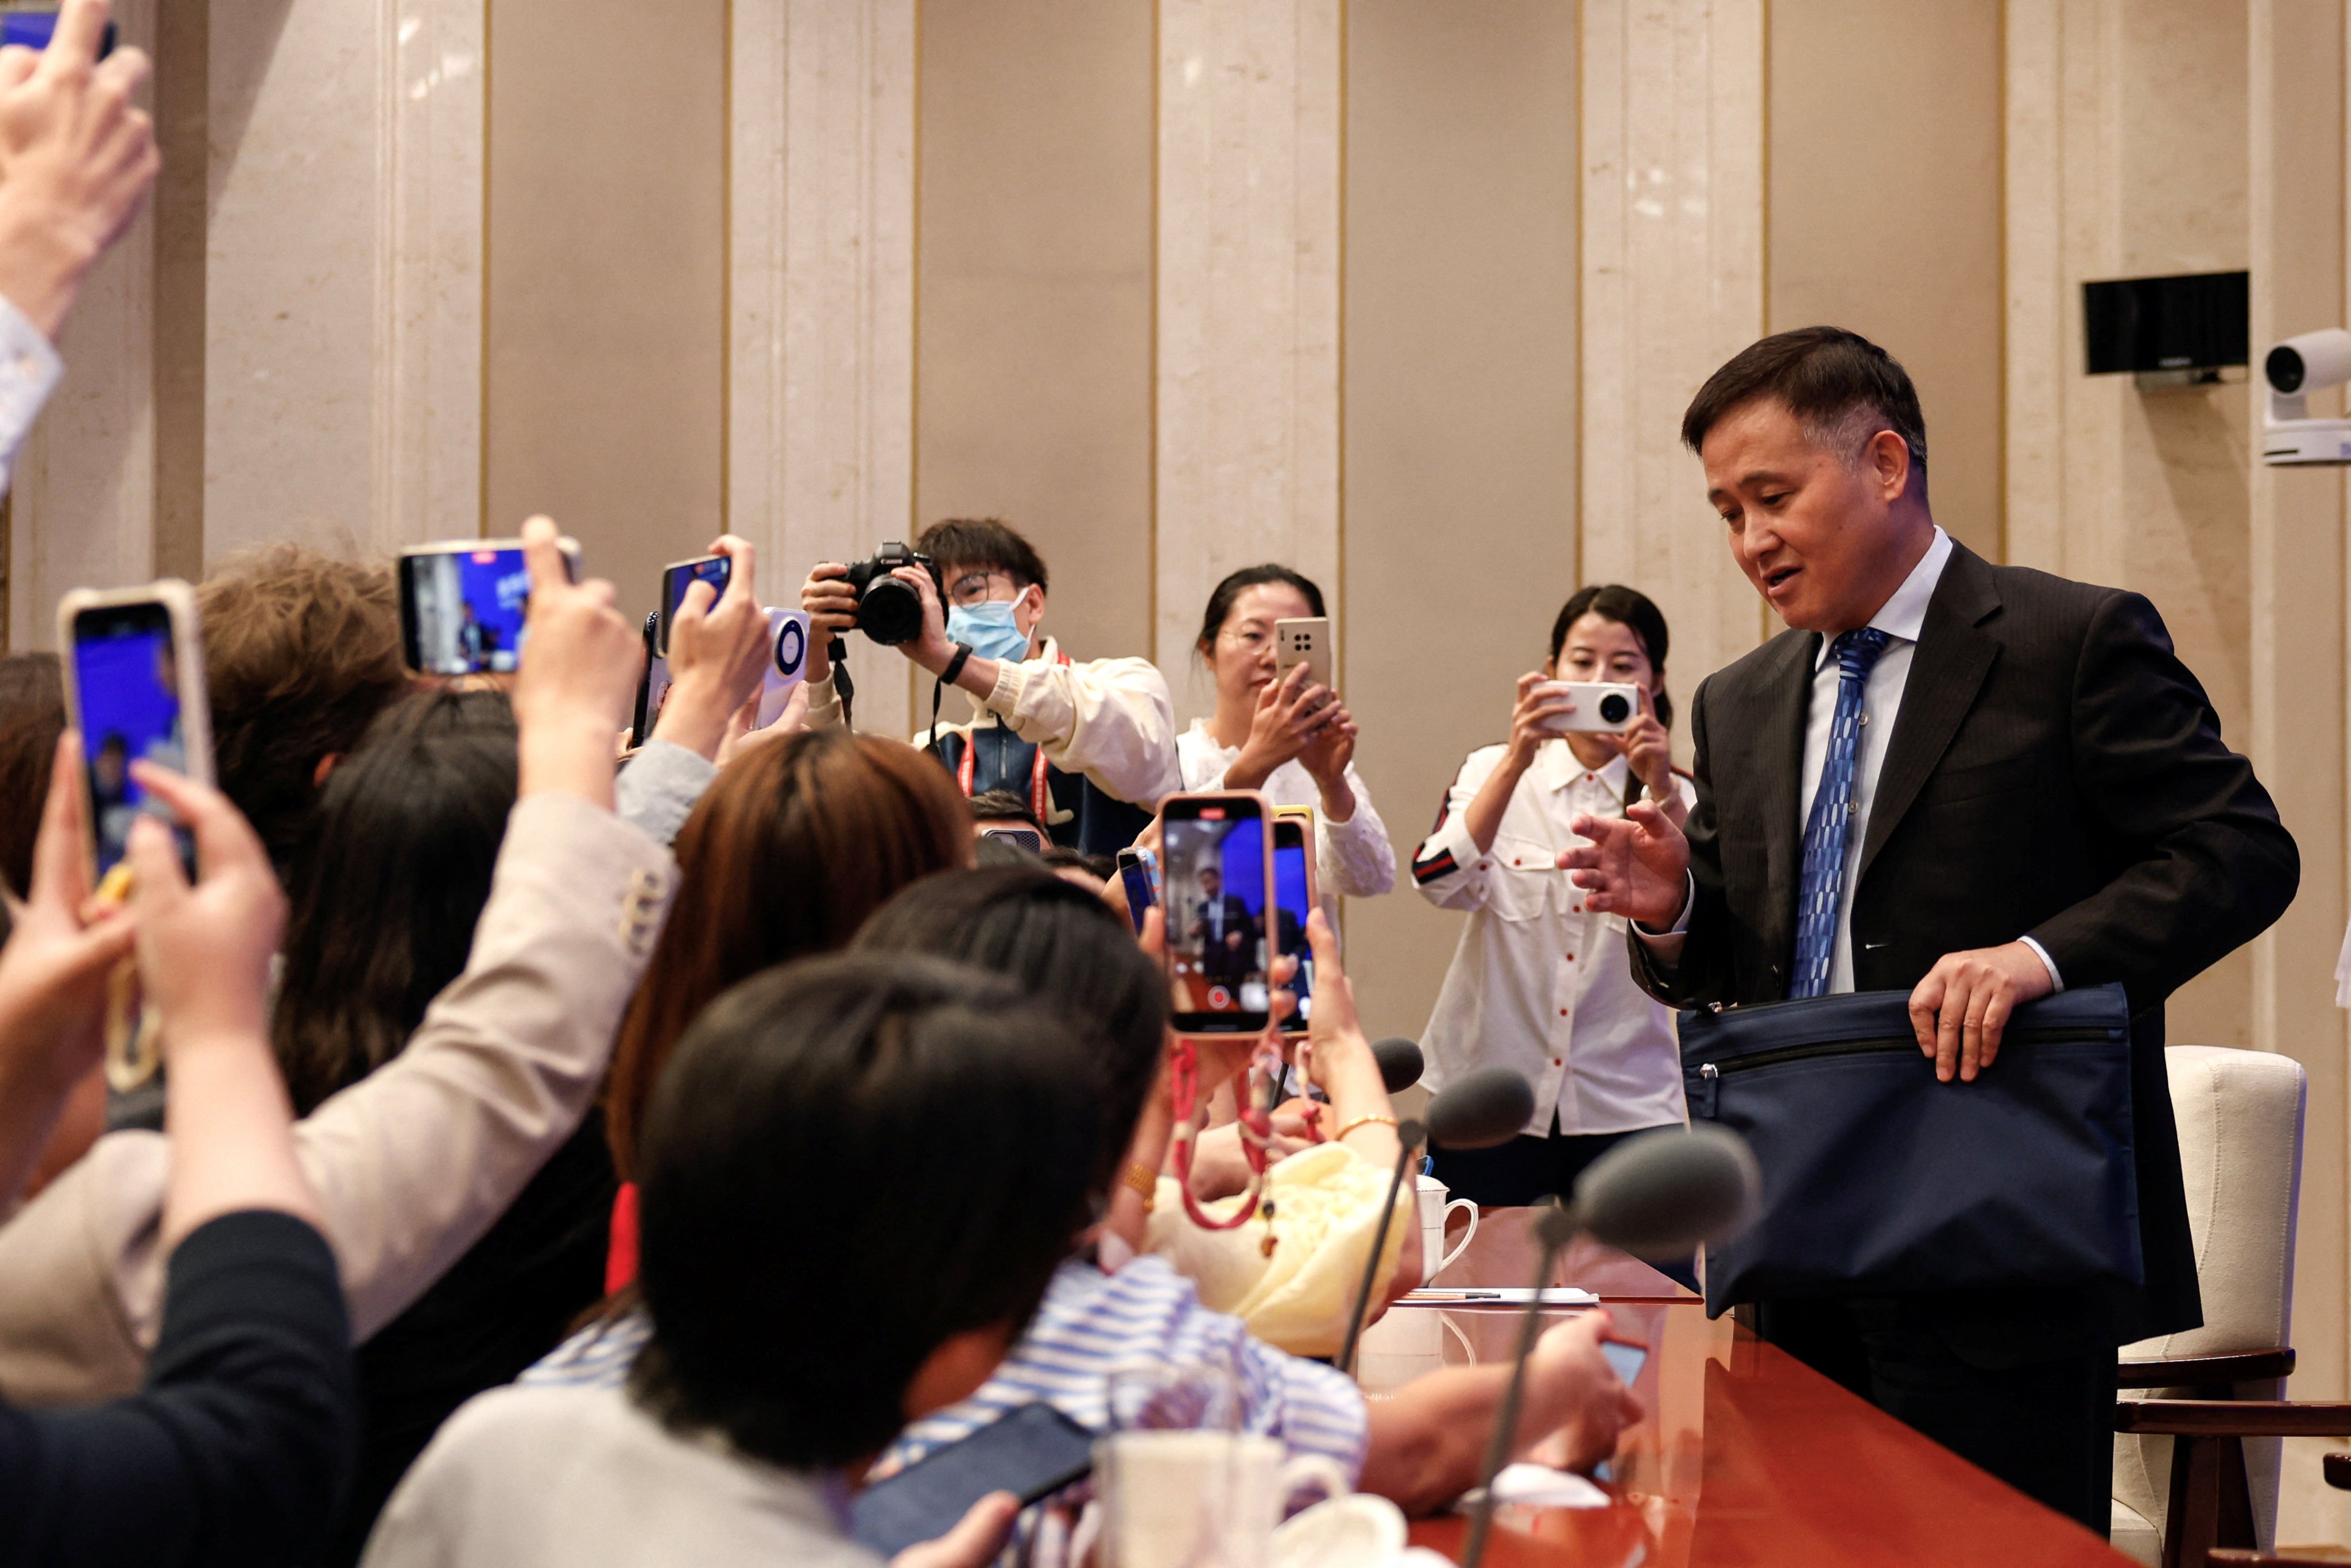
(1216,892)
(467,610)
(1292,906)
(127,678)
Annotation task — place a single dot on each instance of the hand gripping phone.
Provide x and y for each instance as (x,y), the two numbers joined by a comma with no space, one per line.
(134,681)
(464,604)
(1138,874)
(680,575)
(1217,882)
(1305,641)
(1032,1452)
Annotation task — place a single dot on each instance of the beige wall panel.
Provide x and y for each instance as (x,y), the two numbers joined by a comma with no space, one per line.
(1033,381)
(1248,289)
(1886,213)
(1461,404)
(607,256)
(1673,191)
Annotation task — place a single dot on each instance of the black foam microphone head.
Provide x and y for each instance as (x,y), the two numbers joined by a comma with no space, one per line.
(1400,1062)
(1665,1194)
(1480,1110)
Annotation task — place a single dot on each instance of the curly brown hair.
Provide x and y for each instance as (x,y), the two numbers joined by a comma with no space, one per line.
(301,652)
(785,856)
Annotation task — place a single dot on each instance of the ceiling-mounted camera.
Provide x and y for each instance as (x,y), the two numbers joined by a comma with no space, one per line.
(2295,367)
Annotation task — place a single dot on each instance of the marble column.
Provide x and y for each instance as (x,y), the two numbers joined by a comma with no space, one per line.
(344,273)
(1248,417)
(819,430)
(1673,185)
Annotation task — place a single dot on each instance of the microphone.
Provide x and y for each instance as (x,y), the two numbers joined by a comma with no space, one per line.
(1477,1111)
(1401,1062)
(1661,1194)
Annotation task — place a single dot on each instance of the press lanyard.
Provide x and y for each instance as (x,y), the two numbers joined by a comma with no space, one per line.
(1041,799)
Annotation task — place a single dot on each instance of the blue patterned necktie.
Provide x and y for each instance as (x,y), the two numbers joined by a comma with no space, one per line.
(1829,827)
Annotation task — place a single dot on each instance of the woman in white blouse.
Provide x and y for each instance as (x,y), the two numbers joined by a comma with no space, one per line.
(1538,983)
(1292,740)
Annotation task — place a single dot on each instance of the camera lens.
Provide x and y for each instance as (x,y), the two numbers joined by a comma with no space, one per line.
(890,611)
(791,649)
(1615,709)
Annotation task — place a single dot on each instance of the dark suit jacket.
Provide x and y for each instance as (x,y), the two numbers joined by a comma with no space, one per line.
(2054,771)
(1217,957)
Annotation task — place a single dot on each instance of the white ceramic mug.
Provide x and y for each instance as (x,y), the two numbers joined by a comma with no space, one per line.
(1434,1213)
(1199,1499)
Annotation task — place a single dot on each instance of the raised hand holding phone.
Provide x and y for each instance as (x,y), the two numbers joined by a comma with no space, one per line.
(53,974)
(718,653)
(579,672)
(76,160)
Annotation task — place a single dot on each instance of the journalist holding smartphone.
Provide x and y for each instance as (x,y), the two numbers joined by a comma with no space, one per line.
(1540,981)
(1283,731)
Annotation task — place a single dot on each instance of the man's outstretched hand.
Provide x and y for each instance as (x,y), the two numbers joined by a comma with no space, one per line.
(1636,865)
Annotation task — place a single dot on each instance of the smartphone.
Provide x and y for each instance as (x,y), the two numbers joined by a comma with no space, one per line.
(1019,838)
(681,575)
(1307,641)
(1602,708)
(788,646)
(1032,1452)
(653,686)
(34,26)
(1293,900)
(1138,874)
(464,604)
(134,680)
(1218,886)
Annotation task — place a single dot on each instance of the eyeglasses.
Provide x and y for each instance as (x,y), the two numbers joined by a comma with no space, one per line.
(1250,637)
(972,587)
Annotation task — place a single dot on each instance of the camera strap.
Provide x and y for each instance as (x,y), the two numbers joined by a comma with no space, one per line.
(843,687)
(1041,797)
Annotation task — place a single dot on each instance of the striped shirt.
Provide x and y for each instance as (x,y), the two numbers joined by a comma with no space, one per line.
(1089,1324)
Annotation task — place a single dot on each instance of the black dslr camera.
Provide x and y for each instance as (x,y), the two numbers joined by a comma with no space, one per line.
(889,611)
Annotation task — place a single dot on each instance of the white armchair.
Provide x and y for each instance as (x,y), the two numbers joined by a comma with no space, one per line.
(2184,1467)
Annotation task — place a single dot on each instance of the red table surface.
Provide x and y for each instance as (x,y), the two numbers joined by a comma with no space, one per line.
(1745,1455)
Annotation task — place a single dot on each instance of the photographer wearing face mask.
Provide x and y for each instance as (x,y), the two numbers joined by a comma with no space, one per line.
(1090,746)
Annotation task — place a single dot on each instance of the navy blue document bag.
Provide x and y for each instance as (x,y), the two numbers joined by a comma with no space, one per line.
(1879,1180)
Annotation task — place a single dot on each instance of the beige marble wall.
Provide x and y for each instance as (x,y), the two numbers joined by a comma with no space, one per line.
(1247,376)
(820,381)
(343,272)
(1673,265)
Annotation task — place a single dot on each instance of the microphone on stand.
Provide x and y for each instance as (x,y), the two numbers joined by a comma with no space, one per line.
(1400,1060)
(1478,1110)
(1661,1196)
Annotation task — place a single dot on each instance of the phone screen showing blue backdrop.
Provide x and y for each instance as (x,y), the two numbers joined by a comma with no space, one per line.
(127,676)
(469,609)
(1292,909)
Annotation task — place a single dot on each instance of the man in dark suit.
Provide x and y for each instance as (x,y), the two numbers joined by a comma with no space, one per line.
(1972,783)
(1225,931)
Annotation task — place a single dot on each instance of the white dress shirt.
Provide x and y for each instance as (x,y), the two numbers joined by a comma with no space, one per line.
(1353,857)
(1902,617)
(1538,983)
(29,369)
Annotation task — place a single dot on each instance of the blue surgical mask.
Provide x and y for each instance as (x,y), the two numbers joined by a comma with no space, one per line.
(989,630)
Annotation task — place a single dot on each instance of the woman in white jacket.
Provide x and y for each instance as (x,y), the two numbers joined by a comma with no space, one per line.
(1290,738)
(1538,983)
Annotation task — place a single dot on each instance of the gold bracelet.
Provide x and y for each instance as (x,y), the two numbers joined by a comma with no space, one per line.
(1341,1134)
(1144,1182)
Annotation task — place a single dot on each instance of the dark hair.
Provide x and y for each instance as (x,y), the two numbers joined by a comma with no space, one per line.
(913,1123)
(961,544)
(301,652)
(389,883)
(1626,607)
(1061,857)
(784,856)
(32,717)
(1220,598)
(1829,379)
(1063,946)
(1004,806)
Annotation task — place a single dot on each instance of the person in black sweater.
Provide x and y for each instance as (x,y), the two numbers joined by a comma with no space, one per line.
(239,1448)
(387,888)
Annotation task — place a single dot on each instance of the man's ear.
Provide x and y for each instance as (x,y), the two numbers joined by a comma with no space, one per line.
(956,1369)
(1027,623)
(1888,458)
